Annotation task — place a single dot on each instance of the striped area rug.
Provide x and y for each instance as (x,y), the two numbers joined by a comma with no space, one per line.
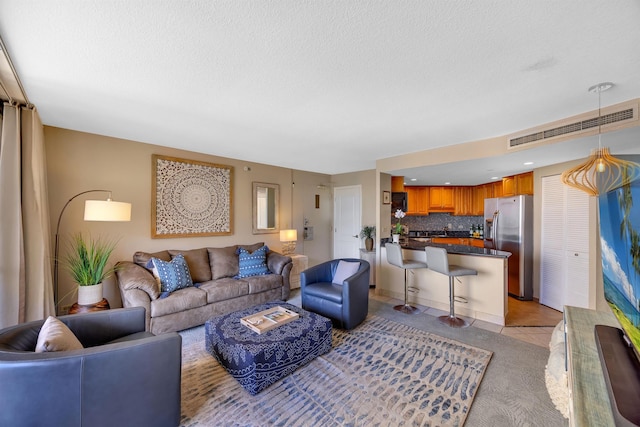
(382,373)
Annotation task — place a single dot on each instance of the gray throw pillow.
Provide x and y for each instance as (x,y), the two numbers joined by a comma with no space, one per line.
(345,270)
(56,336)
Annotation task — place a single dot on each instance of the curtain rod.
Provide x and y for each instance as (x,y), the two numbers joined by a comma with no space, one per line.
(12,101)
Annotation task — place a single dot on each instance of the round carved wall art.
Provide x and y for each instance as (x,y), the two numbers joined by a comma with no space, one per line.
(191,198)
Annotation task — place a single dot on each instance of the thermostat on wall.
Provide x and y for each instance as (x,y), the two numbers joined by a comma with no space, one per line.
(308,233)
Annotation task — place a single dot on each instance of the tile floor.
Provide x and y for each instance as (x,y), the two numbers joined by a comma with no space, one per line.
(538,335)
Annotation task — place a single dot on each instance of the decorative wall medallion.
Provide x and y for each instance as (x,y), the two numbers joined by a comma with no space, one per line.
(190,198)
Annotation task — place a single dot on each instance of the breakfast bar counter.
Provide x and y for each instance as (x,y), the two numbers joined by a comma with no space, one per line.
(419,245)
(485,294)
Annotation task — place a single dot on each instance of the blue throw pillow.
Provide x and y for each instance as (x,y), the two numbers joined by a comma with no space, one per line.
(252,264)
(172,275)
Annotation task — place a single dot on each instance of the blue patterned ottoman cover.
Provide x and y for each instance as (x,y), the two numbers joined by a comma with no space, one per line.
(259,360)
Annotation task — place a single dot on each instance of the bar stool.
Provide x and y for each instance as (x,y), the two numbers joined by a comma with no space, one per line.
(394,257)
(437,261)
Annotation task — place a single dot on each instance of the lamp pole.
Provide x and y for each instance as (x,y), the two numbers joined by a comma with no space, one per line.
(57,244)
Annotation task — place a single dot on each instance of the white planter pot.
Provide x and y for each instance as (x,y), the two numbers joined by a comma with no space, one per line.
(88,295)
(396,238)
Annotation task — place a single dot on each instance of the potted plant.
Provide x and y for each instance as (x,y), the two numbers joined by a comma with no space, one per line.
(87,263)
(368,231)
(397,231)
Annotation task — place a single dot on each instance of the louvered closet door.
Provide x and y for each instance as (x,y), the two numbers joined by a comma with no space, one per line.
(552,252)
(564,254)
(577,248)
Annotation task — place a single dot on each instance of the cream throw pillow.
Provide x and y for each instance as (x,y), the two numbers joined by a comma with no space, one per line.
(56,336)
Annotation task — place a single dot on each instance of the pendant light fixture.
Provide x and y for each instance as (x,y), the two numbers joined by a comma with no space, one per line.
(602,172)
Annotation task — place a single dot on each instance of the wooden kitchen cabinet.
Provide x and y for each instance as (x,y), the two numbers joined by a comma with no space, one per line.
(463,200)
(477,200)
(524,183)
(417,200)
(450,240)
(517,184)
(441,199)
(497,189)
(397,184)
(481,192)
(478,243)
(508,186)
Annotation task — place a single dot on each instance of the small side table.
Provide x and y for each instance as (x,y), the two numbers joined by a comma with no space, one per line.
(99,306)
(370,257)
(300,263)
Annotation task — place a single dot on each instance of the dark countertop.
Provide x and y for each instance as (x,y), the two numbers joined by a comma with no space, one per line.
(452,249)
(438,233)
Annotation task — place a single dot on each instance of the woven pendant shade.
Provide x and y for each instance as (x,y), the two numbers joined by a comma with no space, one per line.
(601,173)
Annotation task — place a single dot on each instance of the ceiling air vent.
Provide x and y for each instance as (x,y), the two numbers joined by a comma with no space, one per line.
(606,119)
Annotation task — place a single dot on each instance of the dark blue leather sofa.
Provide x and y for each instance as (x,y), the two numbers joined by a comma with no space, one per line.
(123,377)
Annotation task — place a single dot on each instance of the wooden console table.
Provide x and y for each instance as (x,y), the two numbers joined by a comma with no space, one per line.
(300,263)
(589,401)
(99,306)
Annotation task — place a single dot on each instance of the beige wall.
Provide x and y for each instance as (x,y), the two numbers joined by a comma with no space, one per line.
(78,161)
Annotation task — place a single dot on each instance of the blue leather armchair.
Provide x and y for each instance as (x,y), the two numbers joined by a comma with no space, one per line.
(347,303)
(123,377)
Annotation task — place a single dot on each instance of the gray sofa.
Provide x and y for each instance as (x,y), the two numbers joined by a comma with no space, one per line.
(123,377)
(216,291)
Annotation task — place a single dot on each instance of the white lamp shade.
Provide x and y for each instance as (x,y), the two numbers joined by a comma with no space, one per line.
(288,235)
(106,210)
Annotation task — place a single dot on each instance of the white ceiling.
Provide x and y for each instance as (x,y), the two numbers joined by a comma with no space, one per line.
(318,85)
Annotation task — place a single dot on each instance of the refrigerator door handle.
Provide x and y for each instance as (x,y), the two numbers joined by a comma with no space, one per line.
(494,230)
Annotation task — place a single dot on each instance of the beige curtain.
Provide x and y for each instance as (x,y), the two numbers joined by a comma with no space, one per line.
(26,289)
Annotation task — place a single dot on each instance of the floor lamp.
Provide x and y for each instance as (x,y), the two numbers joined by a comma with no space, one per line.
(94,210)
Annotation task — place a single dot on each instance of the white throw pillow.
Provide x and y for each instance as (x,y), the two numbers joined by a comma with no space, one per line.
(56,336)
(344,271)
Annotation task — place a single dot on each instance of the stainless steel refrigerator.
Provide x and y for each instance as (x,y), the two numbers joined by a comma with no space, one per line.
(509,227)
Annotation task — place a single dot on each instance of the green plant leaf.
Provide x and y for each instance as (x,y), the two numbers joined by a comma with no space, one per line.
(87,259)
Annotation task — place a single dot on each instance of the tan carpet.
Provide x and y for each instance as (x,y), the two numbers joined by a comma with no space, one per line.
(381,373)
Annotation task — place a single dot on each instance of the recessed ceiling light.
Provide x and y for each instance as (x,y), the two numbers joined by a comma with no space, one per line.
(413,179)
(528,163)
(495,177)
(447,183)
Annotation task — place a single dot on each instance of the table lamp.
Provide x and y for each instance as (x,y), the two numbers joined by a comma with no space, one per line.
(288,239)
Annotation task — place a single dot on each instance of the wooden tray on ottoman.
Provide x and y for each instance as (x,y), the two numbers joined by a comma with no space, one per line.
(269,319)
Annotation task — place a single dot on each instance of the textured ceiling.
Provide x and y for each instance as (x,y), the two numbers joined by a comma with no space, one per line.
(323,86)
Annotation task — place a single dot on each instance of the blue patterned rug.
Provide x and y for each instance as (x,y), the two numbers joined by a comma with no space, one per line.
(380,374)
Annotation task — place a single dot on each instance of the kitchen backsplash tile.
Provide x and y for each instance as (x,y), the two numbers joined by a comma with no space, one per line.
(438,221)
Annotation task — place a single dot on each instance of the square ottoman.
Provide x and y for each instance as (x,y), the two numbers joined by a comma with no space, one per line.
(259,360)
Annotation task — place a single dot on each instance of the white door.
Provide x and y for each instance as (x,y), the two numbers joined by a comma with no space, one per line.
(347,221)
(564,266)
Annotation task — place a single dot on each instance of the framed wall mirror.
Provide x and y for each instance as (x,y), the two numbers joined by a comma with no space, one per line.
(266,199)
